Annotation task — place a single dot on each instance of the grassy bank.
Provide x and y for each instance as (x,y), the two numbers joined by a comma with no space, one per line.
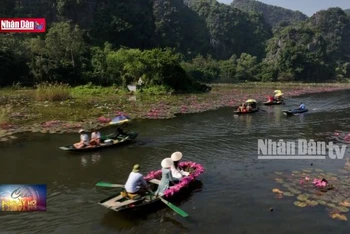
(59,108)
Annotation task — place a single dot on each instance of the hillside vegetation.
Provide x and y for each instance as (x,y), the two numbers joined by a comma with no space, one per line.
(173,44)
(273,15)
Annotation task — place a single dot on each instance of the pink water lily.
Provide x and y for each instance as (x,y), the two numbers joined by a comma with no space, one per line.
(198,169)
(319,183)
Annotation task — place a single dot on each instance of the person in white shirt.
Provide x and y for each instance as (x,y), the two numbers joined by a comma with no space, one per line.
(84,139)
(136,183)
(176,171)
(95,137)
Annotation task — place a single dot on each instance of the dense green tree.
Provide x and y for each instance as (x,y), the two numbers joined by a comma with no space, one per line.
(172,43)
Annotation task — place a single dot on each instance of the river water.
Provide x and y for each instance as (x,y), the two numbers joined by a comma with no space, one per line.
(234,195)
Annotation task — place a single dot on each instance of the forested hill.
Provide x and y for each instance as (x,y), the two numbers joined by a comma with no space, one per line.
(347,11)
(272,14)
(117,42)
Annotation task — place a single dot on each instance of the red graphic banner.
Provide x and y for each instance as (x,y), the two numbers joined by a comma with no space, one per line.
(22,25)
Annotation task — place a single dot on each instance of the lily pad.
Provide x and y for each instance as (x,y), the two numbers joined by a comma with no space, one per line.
(318,170)
(276,190)
(307,170)
(4,139)
(295,172)
(278,173)
(295,191)
(345,203)
(300,204)
(338,216)
(288,194)
(331,205)
(312,202)
(342,209)
(321,202)
(302,197)
(278,180)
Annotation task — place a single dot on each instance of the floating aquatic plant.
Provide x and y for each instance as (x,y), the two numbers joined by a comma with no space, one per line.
(288,194)
(276,190)
(338,216)
(345,203)
(311,203)
(342,209)
(314,187)
(300,204)
(302,197)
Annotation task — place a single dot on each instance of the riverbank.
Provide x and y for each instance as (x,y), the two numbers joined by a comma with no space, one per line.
(22,111)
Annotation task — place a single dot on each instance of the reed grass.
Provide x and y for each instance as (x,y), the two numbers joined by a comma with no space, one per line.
(52,92)
(5,112)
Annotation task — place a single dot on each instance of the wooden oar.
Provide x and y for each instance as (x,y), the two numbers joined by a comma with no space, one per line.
(170,205)
(109,185)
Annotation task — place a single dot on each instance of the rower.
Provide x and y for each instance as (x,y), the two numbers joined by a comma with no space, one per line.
(136,184)
(301,106)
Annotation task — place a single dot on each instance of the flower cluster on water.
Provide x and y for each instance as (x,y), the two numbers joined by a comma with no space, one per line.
(195,170)
(314,187)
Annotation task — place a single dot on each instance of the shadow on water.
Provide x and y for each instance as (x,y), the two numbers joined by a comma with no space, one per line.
(129,219)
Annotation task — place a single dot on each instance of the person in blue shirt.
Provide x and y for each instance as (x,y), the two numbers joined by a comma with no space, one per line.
(302,106)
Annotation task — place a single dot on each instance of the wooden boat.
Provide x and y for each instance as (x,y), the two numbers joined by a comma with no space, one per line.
(108,141)
(122,202)
(247,112)
(294,112)
(252,103)
(272,103)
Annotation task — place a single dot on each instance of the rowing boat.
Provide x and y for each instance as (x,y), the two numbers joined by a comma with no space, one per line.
(273,103)
(250,102)
(295,111)
(108,141)
(247,112)
(122,202)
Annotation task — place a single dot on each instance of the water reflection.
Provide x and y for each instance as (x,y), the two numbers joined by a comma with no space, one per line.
(90,159)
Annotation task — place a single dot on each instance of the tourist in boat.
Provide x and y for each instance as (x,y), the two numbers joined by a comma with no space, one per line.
(249,107)
(84,140)
(136,184)
(243,107)
(176,171)
(278,95)
(271,99)
(301,106)
(166,176)
(95,137)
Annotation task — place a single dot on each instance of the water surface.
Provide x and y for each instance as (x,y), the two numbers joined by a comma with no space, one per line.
(235,193)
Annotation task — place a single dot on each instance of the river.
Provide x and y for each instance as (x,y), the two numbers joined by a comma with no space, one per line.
(235,193)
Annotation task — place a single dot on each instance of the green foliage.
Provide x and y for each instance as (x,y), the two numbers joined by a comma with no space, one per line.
(172,45)
(93,90)
(52,92)
(232,31)
(5,112)
(156,90)
(273,15)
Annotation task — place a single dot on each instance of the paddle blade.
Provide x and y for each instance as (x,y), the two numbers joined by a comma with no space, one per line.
(175,208)
(109,185)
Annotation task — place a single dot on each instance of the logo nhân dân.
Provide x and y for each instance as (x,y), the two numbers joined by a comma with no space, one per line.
(27,25)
